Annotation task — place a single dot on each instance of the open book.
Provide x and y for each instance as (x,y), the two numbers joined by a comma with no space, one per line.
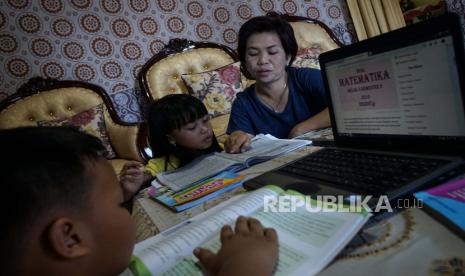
(308,241)
(263,147)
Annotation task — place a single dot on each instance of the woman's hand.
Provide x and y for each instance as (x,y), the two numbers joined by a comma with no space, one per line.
(238,142)
(248,250)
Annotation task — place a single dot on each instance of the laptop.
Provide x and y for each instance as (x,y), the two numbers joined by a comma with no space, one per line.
(396,103)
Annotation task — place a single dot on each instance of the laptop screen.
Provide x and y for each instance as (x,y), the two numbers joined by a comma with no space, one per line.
(397,86)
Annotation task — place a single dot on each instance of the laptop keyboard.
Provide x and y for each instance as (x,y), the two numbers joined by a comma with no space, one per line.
(370,173)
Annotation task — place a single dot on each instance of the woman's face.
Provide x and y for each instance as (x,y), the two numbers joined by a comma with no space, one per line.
(265,57)
(197,135)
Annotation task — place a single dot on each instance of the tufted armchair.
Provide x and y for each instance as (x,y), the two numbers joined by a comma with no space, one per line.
(46,100)
(161,75)
(311,34)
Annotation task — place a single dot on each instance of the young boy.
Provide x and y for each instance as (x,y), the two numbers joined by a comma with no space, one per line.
(62,212)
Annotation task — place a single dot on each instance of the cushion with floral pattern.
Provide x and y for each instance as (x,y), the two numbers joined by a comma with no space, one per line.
(217,88)
(90,121)
(308,57)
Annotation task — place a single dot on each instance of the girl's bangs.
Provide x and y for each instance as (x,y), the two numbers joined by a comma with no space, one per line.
(190,114)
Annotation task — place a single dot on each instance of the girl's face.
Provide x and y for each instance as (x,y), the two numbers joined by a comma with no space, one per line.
(197,135)
(265,57)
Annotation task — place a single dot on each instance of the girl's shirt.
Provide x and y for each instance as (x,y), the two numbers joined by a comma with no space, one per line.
(157,165)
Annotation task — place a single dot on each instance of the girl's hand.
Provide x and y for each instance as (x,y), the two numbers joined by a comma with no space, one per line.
(238,142)
(131,178)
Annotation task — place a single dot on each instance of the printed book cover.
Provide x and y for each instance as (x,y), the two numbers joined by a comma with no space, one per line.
(446,202)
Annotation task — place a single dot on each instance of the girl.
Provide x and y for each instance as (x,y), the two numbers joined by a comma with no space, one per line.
(179,132)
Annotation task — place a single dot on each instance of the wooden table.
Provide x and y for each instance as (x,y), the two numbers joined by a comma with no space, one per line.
(152,217)
(407,243)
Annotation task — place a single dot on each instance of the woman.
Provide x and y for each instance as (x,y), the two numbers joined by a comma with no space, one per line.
(285,101)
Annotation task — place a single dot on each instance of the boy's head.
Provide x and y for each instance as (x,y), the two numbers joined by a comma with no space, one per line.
(61,207)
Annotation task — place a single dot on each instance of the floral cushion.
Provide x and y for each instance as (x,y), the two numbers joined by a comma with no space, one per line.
(90,121)
(308,57)
(217,89)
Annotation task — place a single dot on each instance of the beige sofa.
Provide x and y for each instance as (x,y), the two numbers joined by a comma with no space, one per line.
(49,100)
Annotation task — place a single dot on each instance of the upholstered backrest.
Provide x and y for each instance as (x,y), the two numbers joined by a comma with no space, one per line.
(311,34)
(164,76)
(48,105)
(47,100)
(161,75)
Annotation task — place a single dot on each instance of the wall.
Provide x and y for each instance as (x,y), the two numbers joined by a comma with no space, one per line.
(106,41)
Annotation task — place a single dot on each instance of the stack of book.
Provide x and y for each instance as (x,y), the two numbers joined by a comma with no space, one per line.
(211,175)
(446,203)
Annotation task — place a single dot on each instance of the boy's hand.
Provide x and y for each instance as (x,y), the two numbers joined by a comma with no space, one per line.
(131,178)
(238,142)
(248,250)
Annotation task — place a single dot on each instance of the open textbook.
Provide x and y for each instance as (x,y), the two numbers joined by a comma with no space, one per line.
(262,148)
(308,241)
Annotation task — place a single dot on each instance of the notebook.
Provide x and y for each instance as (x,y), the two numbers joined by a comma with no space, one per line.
(396,103)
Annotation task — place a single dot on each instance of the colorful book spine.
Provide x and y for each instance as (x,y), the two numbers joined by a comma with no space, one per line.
(199,193)
(448,200)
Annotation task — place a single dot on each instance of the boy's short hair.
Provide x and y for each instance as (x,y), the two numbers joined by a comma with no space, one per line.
(43,168)
(265,24)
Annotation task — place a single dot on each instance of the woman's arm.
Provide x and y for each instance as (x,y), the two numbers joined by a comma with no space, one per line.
(320,120)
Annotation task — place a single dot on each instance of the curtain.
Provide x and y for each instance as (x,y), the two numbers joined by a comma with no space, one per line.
(374,17)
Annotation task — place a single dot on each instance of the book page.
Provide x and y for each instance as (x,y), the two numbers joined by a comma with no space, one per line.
(200,169)
(264,147)
(308,241)
(164,250)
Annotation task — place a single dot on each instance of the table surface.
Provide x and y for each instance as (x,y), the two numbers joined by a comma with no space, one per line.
(408,242)
(152,217)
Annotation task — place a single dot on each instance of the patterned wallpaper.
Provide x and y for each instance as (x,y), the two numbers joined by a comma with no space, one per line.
(106,42)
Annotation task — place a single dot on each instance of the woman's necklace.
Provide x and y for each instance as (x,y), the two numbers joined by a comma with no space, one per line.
(281,97)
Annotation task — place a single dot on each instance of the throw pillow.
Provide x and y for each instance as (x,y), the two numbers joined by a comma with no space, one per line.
(90,121)
(217,88)
(308,57)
